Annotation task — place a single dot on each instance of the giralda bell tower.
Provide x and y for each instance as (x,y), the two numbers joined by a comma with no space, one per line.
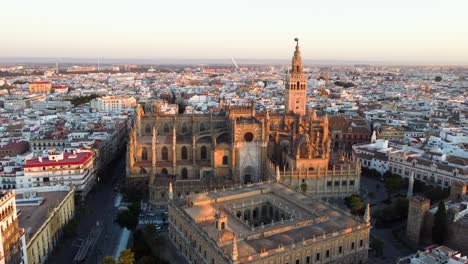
(296,85)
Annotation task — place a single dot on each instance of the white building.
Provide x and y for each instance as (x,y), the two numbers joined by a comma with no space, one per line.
(113,103)
(64,168)
(435,254)
(433,168)
(373,155)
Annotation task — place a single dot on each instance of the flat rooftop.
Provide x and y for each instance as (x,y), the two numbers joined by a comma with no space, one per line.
(283,217)
(33,217)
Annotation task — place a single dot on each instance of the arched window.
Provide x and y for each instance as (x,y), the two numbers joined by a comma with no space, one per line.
(147,129)
(248,137)
(164,153)
(184,128)
(144,154)
(298,84)
(203,153)
(225,160)
(223,225)
(166,128)
(184,173)
(164,172)
(184,153)
(202,127)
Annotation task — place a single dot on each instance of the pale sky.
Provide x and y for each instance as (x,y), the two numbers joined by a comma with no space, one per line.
(429,31)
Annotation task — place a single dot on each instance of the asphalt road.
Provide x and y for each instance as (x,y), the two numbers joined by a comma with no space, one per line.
(99,208)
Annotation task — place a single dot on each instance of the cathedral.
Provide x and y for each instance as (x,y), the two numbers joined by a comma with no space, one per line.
(238,146)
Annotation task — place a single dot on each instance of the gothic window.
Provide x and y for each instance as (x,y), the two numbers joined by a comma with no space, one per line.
(248,137)
(184,153)
(184,173)
(298,83)
(144,154)
(184,128)
(164,172)
(202,127)
(147,129)
(166,128)
(164,153)
(203,153)
(225,160)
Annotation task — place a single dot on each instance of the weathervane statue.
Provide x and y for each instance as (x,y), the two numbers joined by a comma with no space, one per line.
(297,40)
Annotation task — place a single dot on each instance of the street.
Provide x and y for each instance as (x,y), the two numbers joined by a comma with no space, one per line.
(99,212)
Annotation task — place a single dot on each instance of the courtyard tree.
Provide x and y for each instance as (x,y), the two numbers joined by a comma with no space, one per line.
(127,257)
(109,260)
(393,183)
(304,187)
(354,202)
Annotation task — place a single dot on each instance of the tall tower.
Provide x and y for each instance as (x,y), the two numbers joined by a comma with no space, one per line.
(418,207)
(296,85)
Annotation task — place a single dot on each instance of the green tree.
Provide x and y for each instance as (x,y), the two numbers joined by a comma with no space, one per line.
(393,183)
(109,260)
(129,218)
(440,224)
(354,202)
(127,257)
(304,187)
(377,245)
(387,174)
(147,260)
(438,79)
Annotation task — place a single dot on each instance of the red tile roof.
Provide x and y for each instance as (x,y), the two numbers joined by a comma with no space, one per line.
(68,159)
(40,83)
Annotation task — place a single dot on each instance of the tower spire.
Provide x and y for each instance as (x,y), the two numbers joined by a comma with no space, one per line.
(296,85)
(367,214)
(171,193)
(235,254)
(409,193)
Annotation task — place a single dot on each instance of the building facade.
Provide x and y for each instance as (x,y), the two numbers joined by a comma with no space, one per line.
(432,170)
(45,225)
(113,103)
(61,168)
(265,223)
(238,146)
(12,237)
(421,219)
(40,87)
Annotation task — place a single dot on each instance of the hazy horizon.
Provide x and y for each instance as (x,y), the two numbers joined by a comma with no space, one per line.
(214,61)
(417,32)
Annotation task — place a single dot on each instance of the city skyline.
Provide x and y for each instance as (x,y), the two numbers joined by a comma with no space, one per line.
(417,32)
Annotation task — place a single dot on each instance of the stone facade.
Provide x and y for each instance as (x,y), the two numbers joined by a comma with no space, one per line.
(237,146)
(418,207)
(265,223)
(421,219)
